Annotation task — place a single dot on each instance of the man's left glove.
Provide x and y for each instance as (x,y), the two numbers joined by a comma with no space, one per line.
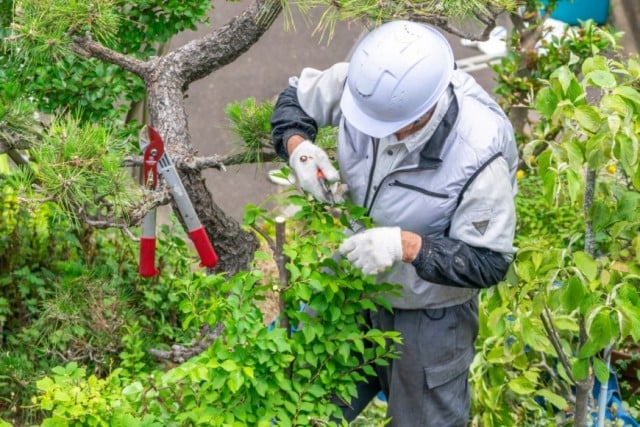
(373,250)
(310,162)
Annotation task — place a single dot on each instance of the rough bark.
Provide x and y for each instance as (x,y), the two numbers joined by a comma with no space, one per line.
(167,78)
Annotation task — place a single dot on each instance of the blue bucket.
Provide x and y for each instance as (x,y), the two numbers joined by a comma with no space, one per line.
(573,11)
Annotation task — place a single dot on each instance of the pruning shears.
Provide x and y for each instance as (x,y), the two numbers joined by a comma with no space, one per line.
(156,162)
(328,194)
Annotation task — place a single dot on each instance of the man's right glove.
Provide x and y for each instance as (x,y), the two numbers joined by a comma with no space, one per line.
(373,250)
(306,161)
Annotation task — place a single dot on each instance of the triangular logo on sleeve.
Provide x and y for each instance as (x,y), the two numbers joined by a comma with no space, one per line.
(481,226)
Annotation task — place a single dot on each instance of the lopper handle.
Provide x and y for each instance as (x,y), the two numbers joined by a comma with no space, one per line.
(208,256)
(147,257)
(147,266)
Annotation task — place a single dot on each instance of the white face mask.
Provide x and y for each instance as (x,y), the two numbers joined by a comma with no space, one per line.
(417,138)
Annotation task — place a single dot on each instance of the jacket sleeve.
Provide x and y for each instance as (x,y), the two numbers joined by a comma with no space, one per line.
(479,248)
(311,100)
(289,119)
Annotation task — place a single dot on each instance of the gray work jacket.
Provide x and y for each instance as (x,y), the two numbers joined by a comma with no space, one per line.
(456,190)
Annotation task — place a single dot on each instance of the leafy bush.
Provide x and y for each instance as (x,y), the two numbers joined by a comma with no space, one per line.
(251,374)
(73,294)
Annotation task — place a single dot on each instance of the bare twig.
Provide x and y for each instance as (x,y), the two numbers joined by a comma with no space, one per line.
(283,273)
(554,337)
(180,353)
(589,191)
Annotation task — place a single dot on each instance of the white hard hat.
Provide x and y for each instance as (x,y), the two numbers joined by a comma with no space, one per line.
(396,74)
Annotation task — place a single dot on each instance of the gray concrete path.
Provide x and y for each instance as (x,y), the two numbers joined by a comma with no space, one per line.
(262,72)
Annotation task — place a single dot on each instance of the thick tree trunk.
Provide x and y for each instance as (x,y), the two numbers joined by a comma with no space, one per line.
(235,246)
(167,78)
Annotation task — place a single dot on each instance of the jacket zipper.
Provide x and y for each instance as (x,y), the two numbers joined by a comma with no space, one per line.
(376,141)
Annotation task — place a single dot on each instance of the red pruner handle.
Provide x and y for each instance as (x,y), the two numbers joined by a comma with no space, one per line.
(147,257)
(208,256)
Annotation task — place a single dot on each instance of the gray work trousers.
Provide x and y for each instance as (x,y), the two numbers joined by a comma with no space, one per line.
(428,385)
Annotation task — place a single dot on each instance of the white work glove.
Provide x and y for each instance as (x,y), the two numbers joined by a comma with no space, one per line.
(373,250)
(306,160)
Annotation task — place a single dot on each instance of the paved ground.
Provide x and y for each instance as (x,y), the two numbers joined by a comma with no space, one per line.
(262,73)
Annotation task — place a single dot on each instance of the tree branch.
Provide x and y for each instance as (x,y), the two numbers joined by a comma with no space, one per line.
(132,218)
(87,47)
(207,162)
(201,57)
(487,19)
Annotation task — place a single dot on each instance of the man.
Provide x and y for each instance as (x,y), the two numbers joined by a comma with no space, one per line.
(433,158)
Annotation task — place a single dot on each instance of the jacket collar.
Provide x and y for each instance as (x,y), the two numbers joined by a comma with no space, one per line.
(431,154)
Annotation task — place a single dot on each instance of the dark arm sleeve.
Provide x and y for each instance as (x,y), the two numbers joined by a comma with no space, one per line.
(289,119)
(452,262)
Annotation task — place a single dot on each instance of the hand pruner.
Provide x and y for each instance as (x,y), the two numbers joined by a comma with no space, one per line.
(157,161)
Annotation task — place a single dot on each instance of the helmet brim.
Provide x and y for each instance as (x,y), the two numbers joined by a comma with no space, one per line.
(367,125)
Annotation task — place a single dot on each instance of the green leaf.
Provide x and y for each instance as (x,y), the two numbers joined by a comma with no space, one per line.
(575,92)
(588,118)
(601,334)
(522,385)
(344,350)
(616,104)
(229,365)
(564,76)
(555,399)
(573,293)
(261,387)
(546,101)
(589,349)
(595,63)
(580,369)
(45,384)
(628,93)
(597,147)
(235,381)
(304,291)
(575,153)
(316,390)
(601,370)
(585,264)
(574,184)
(626,149)
(602,79)
(532,334)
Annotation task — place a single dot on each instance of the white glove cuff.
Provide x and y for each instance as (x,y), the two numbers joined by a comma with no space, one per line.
(393,237)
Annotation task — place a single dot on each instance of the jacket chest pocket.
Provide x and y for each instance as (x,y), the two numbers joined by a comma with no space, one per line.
(411,187)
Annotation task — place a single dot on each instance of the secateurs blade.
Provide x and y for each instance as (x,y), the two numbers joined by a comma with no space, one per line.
(156,162)
(328,194)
